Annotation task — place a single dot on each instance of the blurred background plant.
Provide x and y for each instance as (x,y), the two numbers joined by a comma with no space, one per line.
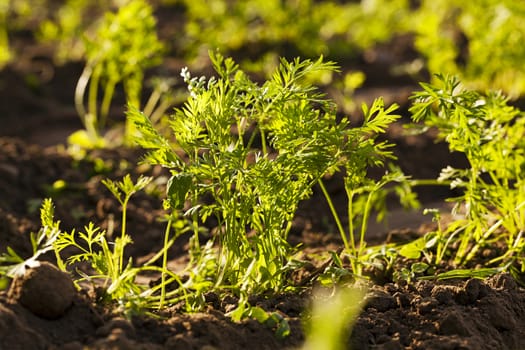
(330,320)
(120,42)
(122,47)
(479,42)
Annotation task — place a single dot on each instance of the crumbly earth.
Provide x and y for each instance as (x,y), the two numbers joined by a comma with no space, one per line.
(35,121)
(470,314)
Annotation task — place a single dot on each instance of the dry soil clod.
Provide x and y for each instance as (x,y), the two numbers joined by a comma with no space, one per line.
(44,290)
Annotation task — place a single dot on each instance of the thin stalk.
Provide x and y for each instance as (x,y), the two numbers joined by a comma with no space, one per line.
(164,264)
(106,102)
(510,252)
(123,231)
(93,96)
(80,91)
(252,138)
(442,248)
(195,220)
(465,239)
(152,101)
(364,224)
(263,142)
(334,214)
(350,210)
(428,182)
(159,111)
(489,232)
(160,253)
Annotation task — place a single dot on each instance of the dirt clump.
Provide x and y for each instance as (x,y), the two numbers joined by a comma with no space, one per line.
(44,290)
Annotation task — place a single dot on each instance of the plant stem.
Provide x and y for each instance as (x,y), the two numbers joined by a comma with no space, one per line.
(489,232)
(123,232)
(80,91)
(106,103)
(364,224)
(93,96)
(428,182)
(152,101)
(334,213)
(164,264)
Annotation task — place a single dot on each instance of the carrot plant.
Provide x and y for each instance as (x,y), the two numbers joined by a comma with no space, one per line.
(42,242)
(108,271)
(269,28)
(123,46)
(65,27)
(256,151)
(367,196)
(491,206)
(479,42)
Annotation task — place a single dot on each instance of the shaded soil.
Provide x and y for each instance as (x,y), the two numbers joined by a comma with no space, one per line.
(37,314)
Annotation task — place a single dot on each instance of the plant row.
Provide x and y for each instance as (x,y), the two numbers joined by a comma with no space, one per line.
(246,154)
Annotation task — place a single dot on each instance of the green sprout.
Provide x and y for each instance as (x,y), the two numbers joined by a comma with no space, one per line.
(124,45)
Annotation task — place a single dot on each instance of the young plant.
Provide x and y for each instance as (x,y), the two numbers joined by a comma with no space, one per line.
(123,190)
(256,151)
(106,258)
(11,264)
(489,133)
(123,46)
(305,28)
(64,27)
(366,196)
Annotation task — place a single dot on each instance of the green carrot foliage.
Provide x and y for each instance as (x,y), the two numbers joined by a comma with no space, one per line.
(489,132)
(257,151)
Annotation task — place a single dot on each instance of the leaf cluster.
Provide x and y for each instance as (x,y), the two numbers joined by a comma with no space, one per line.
(477,41)
(489,132)
(123,46)
(257,150)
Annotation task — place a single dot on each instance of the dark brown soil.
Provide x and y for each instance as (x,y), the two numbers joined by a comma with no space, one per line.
(48,314)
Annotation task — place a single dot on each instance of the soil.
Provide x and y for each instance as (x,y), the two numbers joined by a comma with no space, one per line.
(41,311)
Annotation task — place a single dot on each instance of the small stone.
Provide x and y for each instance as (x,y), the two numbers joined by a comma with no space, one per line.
(44,290)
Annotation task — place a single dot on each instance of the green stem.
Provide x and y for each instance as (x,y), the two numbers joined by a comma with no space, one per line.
(350,195)
(364,224)
(263,142)
(80,91)
(159,111)
(152,101)
(164,264)
(489,232)
(106,103)
(334,214)
(428,182)
(123,232)
(93,96)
